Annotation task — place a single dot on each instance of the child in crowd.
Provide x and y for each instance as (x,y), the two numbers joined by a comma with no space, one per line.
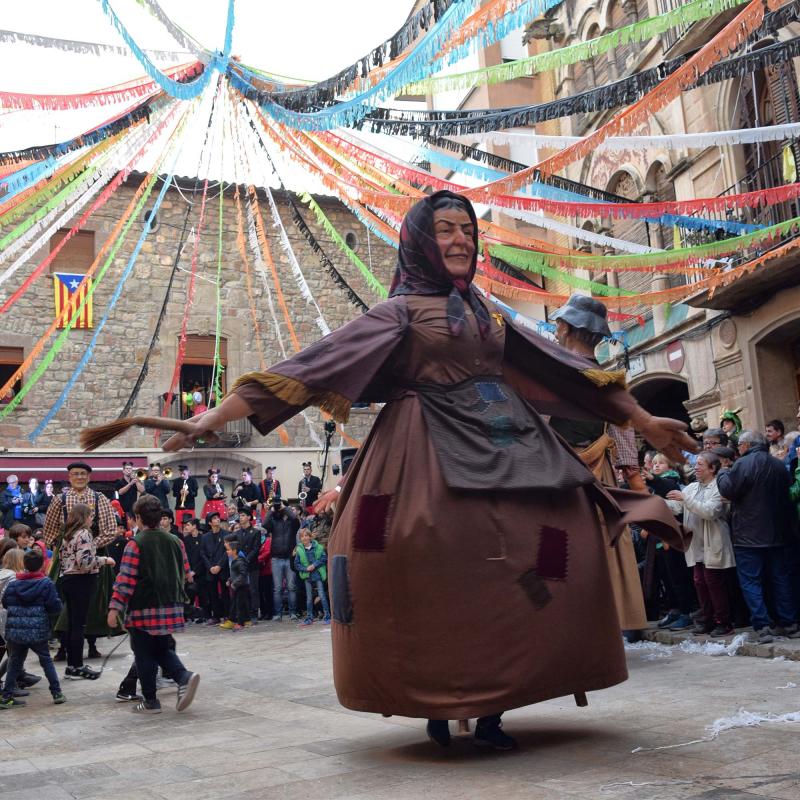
(239,584)
(10,565)
(21,534)
(265,576)
(29,601)
(310,559)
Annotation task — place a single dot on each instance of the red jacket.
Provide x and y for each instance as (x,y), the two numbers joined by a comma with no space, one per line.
(265,557)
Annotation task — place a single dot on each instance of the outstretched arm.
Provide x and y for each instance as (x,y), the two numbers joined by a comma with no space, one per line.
(204,425)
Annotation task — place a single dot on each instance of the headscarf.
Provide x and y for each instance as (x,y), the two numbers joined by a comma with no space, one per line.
(421,269)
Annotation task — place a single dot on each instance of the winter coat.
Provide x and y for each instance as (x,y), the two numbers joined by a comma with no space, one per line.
(212,550)
(250,544)
(6,576)
(7,507)
(758,487)
(30,600)
(239,572)
(283,529)
(706,516)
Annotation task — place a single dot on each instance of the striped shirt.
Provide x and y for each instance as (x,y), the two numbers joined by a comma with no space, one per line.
(155,621)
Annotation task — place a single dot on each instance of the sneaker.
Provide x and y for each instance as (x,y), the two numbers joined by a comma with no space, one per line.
(684,622)
(11,702)
(144,707)
(61,655)
(124,696)
(237,627)
(58,699)
(632,636)
(293,617)
(248,624)
(438,731)
(26,680)
(721,630)
(307,621)
(213,621)
(761,636)
(228,625)
(81,673)
(199,621)
(187,691)
(20,693)
(326,620)
(94,653)
(493,736)
(787,631)
(672,616)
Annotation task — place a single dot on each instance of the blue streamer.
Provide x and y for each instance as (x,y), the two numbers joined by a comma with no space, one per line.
(182,91)
(21,179)
(348,112)
(87,356)
(547,192)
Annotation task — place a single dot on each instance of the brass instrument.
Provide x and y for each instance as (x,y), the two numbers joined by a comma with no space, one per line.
(168,473)
(141,474)
(184,493)
(302,495)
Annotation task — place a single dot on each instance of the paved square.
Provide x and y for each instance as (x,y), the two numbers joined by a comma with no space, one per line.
(266,724)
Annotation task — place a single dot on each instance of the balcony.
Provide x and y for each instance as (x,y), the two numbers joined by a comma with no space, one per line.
(236,434)
(751,290)
(686,38)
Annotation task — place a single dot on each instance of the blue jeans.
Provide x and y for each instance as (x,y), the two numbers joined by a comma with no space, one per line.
(152,652)
(281,568)
(17,653)
(751,563)
(315,580)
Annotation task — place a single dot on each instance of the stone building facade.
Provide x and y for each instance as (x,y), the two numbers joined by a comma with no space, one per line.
(107,381)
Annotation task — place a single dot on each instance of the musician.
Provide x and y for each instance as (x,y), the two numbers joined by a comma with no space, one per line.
(157,485)
(184,490)
(215,495)
(247,494)
(270,488)
(128,489)
(310,484)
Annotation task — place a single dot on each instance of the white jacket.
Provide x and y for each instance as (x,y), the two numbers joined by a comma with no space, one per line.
(706,515)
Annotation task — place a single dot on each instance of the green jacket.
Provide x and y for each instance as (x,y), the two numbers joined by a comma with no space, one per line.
(302,561)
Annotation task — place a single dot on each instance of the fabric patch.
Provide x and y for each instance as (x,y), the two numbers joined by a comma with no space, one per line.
(341,602)
(491,392)
(502,431)
(373,514)
(535,588)
(552,561)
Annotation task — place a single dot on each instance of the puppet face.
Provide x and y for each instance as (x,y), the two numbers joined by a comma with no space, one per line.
(454,233)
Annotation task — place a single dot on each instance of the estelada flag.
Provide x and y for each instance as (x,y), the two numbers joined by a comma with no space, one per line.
(67,293)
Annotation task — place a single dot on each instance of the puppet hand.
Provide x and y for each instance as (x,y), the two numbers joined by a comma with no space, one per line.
(666,435)
(203,427)
(325,501)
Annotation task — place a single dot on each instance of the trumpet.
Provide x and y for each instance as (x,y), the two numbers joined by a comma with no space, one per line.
(168,473)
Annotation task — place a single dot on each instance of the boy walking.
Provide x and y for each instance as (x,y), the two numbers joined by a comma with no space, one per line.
(149,594)
(239,615)
(30,600)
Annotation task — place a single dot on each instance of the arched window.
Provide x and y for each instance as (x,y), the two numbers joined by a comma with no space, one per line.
(620,14)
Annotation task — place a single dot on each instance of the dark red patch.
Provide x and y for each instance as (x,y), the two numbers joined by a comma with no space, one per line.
(552,561)
(371,523)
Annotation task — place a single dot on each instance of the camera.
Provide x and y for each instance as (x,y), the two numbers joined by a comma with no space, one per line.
(330,426)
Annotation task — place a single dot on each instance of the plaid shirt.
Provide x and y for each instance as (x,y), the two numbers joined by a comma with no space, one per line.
(625,439)
(54,519)
(155,621)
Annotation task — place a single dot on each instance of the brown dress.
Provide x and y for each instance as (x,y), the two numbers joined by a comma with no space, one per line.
(462,586)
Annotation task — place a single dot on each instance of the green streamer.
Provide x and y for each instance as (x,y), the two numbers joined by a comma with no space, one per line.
(371,280)
(530,259)
(581,51)
(55,348)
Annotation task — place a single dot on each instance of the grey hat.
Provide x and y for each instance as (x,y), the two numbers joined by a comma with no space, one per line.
(584,313)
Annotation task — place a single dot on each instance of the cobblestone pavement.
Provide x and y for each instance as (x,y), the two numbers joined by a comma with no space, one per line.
(266,724)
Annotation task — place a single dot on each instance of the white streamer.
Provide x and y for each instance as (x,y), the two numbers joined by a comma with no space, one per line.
(678,141)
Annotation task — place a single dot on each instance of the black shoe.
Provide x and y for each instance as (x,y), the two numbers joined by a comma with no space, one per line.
(493,736)
(94,653)
(153,707)
(438,731)
(632,636)
(26,680)
(124,696)
(20,693)
(187,691)
(703,627)
(81,673)
(721,630)
(61,655)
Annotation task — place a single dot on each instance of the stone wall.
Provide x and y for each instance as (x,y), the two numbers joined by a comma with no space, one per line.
(106,383)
